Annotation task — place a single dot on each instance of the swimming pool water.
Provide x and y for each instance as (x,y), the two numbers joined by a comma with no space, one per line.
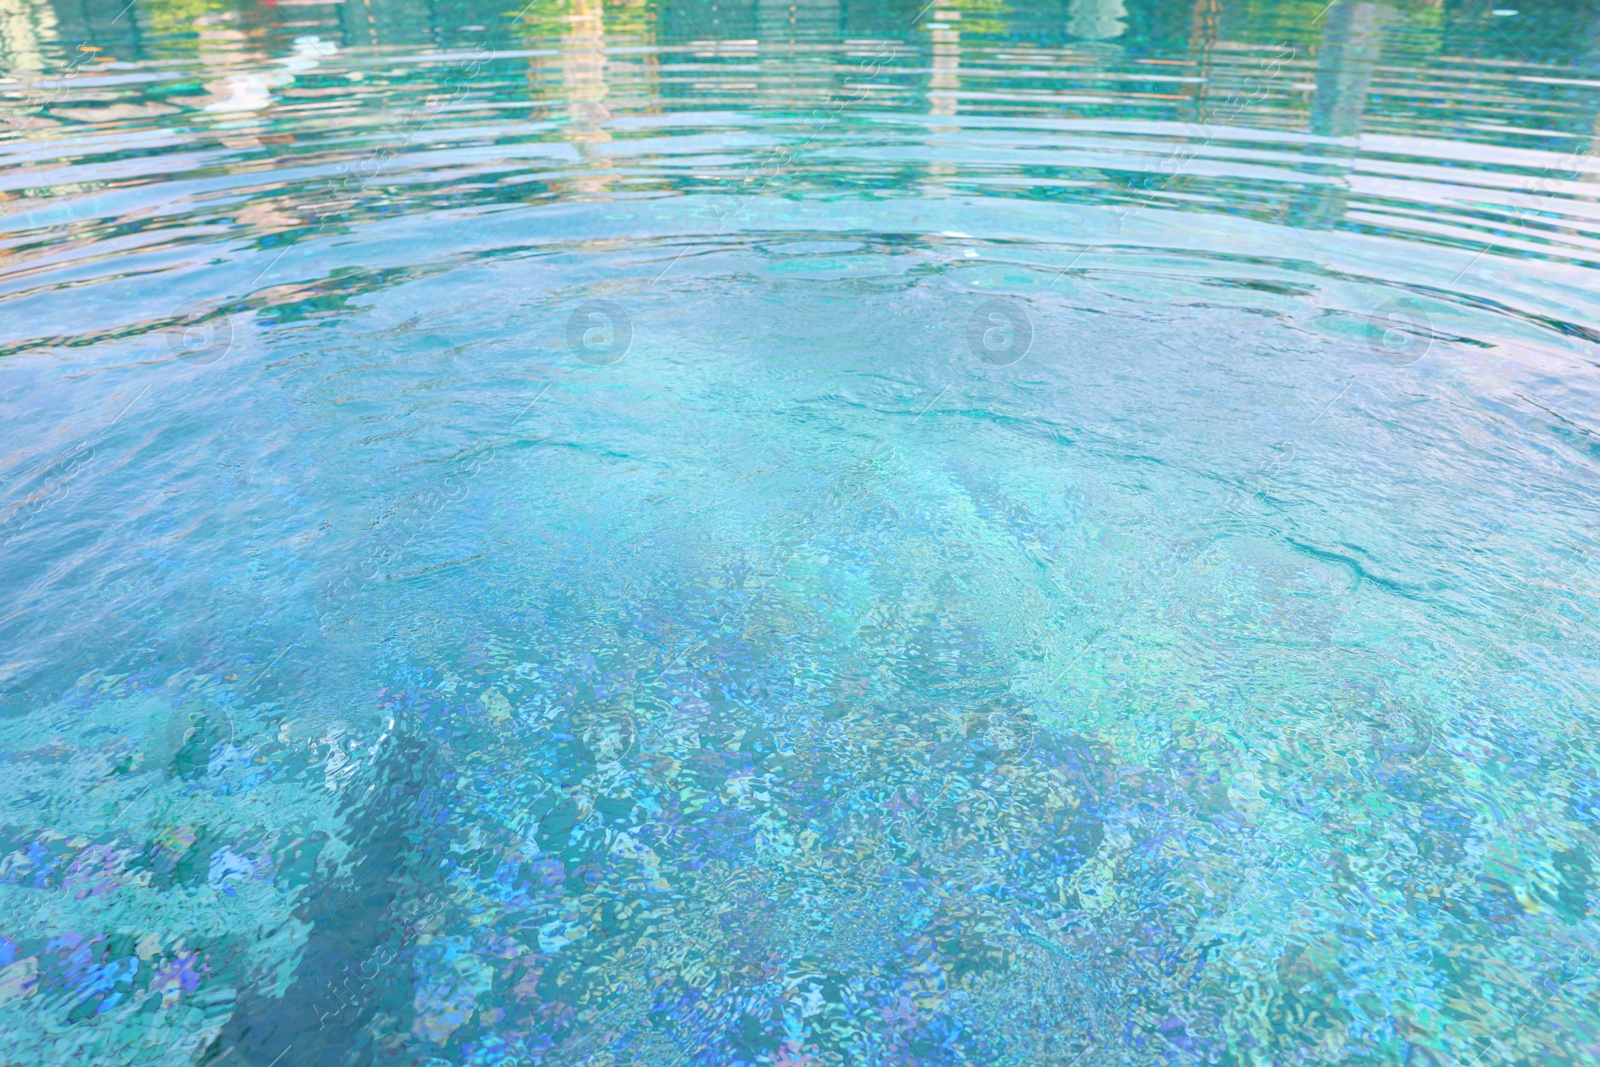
(681,533)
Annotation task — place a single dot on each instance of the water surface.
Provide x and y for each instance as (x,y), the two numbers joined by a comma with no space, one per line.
(683,533)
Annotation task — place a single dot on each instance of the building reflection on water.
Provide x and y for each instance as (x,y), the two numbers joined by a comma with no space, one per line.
(32,31)
(1330,76)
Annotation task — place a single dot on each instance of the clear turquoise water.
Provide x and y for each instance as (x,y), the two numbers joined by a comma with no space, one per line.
(670,533)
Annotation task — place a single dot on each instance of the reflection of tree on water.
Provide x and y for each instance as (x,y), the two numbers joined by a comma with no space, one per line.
(1097,20)
(27,32)
(102,23)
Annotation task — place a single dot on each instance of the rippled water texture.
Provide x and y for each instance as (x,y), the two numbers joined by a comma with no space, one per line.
(681,533)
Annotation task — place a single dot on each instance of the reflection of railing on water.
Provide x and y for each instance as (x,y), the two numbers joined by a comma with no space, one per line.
(27,32)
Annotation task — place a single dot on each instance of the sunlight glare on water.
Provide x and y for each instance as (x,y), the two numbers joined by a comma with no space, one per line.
(661,532)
